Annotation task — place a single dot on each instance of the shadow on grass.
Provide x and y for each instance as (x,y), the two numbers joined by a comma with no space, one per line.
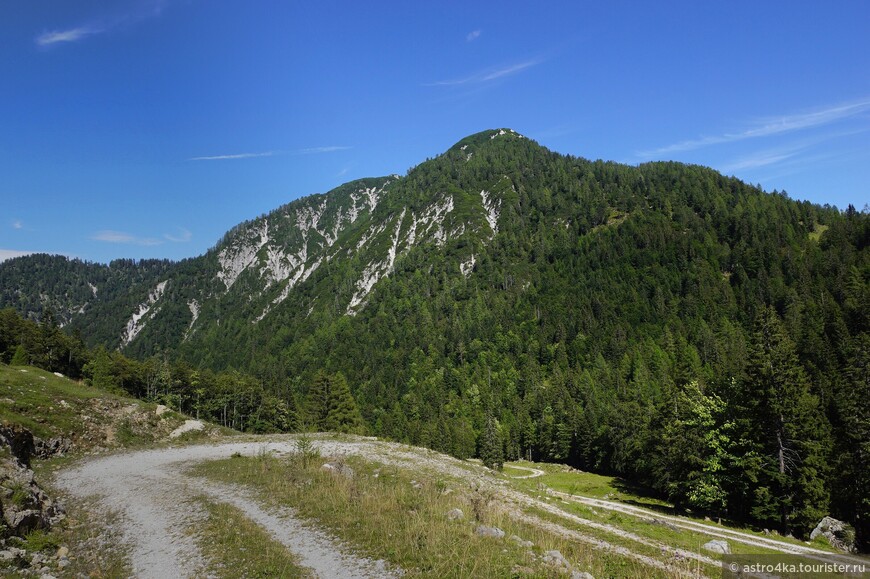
(647,498)
(644,497)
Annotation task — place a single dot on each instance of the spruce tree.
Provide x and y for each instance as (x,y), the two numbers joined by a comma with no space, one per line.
(343,414)
(491,452)
(854,463)
(789,431)
(317,401)
(19,358)
(331,406)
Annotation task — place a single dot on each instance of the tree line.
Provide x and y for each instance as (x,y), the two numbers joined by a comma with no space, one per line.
(229,398)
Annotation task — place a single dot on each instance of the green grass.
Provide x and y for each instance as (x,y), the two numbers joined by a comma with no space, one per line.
(20,495)
(40,540)
(237,548)
(50,406)
(380,512)
(32,398)
(565,479)
(818,230)
(653,552)
(586,484)
(512,472)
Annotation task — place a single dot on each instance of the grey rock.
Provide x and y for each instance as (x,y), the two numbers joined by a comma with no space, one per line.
(32,508)
(521,542)
(582,575)
(556,559)
(22,522)
(484,531)
(717,546)
(339,468)
(55,446)
(20,442)
(838,533)
(454,514)
(665,524)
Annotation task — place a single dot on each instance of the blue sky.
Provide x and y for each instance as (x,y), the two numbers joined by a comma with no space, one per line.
(147,128)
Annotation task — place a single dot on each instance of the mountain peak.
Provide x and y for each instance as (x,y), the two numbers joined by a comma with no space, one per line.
(486,136)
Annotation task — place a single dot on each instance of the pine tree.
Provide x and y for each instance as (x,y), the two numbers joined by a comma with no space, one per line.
(19,358)
(331,406)
(317,401)
(50,341)
(491,452)
(854,462)
(99,370)
(789,432)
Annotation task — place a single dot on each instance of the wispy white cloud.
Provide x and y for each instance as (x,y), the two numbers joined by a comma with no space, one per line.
(795,152)
(111,236)
(139,11)
(71,35)
(758,159)
(183,236)
(234,156)
(315,150)
(308,151)
(771,126)
(17,224)
(10,253)
(489,74)
(802,164)
(473,35)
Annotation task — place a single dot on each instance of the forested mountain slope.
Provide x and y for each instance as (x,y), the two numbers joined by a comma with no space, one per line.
(71,288)
(662,322)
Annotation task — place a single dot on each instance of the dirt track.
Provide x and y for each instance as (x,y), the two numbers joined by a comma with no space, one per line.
(155,499)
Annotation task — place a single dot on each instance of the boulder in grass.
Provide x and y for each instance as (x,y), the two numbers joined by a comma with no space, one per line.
(556,559)
(339,468)
(484,531)
(522,542)
(839,534)
(717,546)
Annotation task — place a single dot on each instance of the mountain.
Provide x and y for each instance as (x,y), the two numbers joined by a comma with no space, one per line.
(358,231)
(679,328)
(70,287)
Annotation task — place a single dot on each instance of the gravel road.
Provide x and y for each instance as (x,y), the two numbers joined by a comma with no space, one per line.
(154,499)
(156,503)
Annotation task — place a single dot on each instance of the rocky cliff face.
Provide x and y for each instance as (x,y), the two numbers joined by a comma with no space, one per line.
(24,505)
